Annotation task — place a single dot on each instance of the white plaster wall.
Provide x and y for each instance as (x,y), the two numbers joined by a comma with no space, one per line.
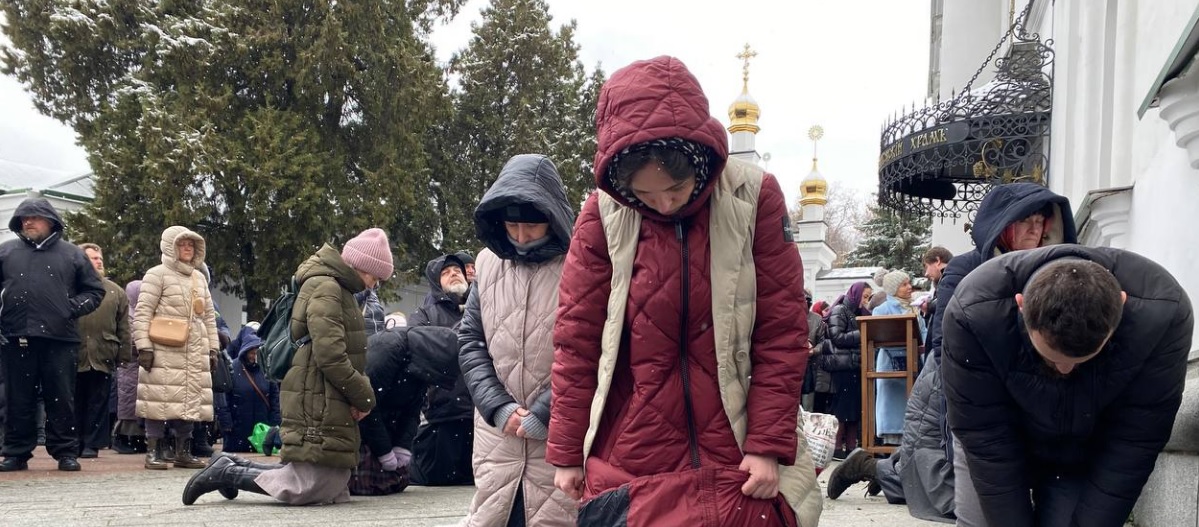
(1165,212)
(969,31)
(233,310)
(1108,54)
(950,235)
(1159,24)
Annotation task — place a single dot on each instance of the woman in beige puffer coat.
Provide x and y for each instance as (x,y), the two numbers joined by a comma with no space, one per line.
(175,383)
(507,348)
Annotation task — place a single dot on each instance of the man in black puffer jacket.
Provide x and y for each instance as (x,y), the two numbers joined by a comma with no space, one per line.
(48,283)
(1064,369)
(1012,217)
(443,446)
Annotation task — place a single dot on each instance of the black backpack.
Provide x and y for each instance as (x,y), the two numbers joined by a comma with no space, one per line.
(277,348)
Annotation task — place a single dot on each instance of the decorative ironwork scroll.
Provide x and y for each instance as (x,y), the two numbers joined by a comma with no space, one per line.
(940,160)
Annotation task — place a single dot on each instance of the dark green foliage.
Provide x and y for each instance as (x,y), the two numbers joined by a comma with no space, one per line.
(520,89)
(268,127)
(892,240)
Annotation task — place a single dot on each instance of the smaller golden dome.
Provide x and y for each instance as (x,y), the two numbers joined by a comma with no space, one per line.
(744,113)
(813,190)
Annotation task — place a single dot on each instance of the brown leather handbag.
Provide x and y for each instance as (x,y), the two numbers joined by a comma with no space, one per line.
(172,331)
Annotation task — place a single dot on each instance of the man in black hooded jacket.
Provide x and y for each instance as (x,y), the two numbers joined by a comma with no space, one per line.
(1064,369)
(47,283)
(444,443)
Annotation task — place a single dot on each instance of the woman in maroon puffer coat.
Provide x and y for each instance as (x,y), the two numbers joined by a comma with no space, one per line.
(696,374)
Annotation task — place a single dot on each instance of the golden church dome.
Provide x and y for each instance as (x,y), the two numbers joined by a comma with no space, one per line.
(744,113)
(813,190)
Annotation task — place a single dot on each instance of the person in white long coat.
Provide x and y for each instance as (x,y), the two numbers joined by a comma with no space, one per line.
(174,385)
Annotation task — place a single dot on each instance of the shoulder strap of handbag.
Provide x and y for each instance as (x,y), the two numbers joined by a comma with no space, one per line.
(254,385)
(191,309)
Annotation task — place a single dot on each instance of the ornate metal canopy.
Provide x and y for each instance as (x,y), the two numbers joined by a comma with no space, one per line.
(941,160)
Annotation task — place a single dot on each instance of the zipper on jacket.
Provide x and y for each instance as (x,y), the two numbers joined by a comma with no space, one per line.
(684,364)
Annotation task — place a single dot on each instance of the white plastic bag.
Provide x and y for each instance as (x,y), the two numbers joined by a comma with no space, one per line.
(821,432)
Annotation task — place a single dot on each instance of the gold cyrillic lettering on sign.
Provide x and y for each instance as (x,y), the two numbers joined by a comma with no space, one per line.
(890,153)
(930,138)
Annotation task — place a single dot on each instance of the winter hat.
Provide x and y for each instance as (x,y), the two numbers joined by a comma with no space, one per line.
(877,299)
(879,274)
(523,213)
(892,281)
(452,260)
(133,291)
(465,257)
(369,252)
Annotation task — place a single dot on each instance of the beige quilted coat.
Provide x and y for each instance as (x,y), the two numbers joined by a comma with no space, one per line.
(517,303)
(179,385)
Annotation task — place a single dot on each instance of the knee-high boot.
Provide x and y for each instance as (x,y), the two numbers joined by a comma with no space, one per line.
(231,492)
(243,462)
(223,473)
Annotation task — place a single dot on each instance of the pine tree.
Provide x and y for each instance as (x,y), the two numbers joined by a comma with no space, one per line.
(520,89)
(892,240)
(268,127)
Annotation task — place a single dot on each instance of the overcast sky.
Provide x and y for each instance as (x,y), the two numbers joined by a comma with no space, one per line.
(845,65)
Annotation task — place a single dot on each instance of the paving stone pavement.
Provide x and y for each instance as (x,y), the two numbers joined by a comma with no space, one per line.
(115,490)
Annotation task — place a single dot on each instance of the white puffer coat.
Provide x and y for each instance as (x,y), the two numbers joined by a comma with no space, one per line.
(179,385)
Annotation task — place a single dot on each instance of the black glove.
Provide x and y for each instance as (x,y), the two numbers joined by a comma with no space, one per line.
(145,359)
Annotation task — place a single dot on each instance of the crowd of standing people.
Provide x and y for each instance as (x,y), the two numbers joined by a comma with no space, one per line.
(640,361)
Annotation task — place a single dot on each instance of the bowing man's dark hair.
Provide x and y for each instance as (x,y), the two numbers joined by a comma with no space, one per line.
(1073,304)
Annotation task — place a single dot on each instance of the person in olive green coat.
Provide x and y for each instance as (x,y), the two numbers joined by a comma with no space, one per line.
(325,393)
(106,344)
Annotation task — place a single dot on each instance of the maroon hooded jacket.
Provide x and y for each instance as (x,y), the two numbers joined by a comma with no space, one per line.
(646,445)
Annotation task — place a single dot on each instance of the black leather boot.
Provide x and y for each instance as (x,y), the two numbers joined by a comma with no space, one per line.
(243,462)
(221,474)
(168,447)
(183,454)
(200,446)
(121,444)
(231,492)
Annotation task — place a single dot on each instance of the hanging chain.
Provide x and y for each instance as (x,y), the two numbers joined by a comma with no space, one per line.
(1010,31)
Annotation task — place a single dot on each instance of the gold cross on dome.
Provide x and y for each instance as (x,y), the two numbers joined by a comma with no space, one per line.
(745,56)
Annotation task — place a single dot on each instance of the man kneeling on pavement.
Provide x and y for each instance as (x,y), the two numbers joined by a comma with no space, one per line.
(1064,369)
